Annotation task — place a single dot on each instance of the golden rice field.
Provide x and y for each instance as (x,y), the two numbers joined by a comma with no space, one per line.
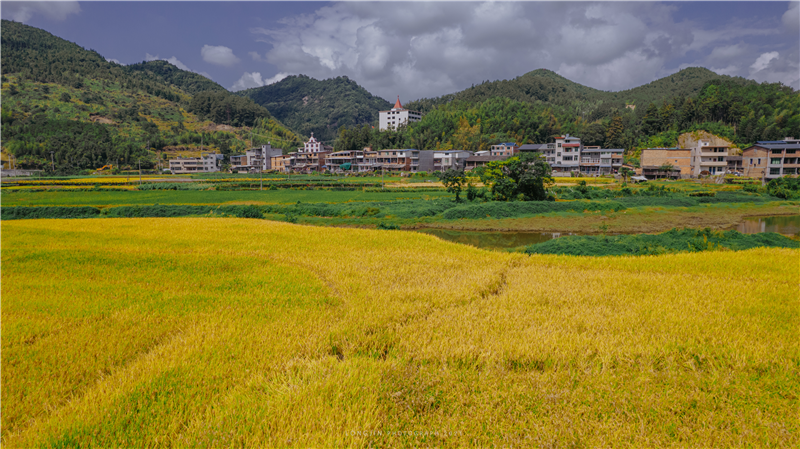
(234,332)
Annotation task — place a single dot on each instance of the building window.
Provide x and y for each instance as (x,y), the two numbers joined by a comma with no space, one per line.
(775,161)
(774,171)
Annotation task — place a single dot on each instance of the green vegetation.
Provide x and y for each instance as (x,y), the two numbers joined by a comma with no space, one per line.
(89,112)
(307,105)
(673,241)
(525,177)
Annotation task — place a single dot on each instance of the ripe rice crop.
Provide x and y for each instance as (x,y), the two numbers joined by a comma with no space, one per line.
(234,332)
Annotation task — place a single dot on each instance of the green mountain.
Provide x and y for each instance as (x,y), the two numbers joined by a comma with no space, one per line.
(59,97)
(307,105)
(546,86)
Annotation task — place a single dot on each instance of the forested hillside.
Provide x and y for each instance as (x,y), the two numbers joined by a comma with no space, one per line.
(307,105)
(61,98)
(742,112)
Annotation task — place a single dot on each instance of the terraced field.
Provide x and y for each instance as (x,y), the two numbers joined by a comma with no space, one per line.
(223,332)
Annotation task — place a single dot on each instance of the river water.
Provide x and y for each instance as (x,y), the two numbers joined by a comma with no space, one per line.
(788,225)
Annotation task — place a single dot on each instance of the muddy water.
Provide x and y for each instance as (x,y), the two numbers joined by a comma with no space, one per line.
(788,225)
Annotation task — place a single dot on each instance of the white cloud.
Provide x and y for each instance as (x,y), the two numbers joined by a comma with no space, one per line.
(113,60)
(24,11)
(218,55)
(763,60)
(255,56)
(250,80)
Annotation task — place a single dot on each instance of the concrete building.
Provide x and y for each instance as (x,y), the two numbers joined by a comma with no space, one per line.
(601,161)
(279,163)
(772,159)
(408,160)
(207,162)
(445,160)
(391,119)
(255,159)
(708,158)
(567,154)
(504,149)
(473,162)
(341,161)
(735,164)
(310,158)
(652,159)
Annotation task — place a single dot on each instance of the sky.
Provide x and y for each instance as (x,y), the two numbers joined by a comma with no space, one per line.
(426,49)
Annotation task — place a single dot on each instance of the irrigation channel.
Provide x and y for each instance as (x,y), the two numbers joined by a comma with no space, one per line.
(788,225)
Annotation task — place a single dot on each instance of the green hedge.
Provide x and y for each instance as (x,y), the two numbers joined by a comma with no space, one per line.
(516,209)
(675,240)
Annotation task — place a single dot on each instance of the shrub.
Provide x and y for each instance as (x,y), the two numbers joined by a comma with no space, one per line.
(675,240)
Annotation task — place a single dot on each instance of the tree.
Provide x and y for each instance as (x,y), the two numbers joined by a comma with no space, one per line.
(625,172)
(454,180)
(524,177)
(667,168)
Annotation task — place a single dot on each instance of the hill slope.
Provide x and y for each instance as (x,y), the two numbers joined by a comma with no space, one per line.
(307,105)
(62,98)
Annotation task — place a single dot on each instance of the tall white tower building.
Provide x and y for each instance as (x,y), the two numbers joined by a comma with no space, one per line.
(397,116)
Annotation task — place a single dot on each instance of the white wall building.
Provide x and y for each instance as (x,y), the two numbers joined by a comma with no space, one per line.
(712,159)
(397,116)
(207,162)
(568,153)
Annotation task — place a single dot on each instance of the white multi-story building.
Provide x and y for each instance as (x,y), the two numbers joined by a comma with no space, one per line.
(397,116)
(707,158)
(255,159)
(568,153)
(207,162)
(504,149)
(444,160)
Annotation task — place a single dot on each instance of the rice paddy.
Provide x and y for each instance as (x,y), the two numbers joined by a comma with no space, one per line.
(236,332)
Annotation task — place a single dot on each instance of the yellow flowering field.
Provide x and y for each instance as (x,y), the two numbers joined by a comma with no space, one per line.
(234,332)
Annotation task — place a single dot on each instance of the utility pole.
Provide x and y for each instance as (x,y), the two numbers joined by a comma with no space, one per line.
(52,162)
(140,172)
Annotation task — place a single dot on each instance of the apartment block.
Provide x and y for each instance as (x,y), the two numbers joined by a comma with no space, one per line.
(207,162)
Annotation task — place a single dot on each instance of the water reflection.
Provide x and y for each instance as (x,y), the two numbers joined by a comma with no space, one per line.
(785,224)
(788,225)
(493,239)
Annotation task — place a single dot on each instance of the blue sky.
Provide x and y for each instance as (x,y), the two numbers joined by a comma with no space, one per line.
(424,49)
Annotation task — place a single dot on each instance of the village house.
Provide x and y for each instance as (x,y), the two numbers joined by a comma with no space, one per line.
(600,161)
(398,115)
(450,159)
(653,160)
(772,159)
(567,154)
(504,149)
(344,160)
(476,161)
(255,159)
(207,162)
(708,158)
(310,158)
(409,160)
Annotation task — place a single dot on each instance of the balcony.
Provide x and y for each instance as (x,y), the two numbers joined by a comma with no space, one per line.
(712,153)
(713,163)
